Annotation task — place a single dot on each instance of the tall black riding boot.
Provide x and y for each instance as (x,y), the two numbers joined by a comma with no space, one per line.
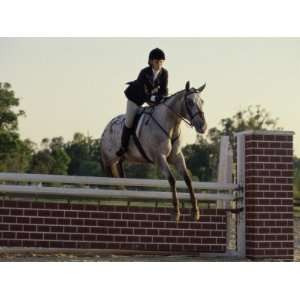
(124,140)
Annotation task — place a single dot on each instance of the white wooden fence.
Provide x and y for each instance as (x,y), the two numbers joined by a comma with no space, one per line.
(93,187)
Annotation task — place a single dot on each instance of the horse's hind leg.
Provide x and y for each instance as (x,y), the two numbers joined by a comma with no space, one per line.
(179,163)
(164,167)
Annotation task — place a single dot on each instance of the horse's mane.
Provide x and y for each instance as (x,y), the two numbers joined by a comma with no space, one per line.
(171,96)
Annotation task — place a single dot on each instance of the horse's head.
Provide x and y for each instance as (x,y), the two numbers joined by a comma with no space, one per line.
(193,105)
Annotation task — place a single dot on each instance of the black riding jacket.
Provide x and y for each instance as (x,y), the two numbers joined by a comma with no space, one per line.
(140,90)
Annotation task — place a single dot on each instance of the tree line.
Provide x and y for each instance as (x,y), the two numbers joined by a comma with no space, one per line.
(81,155)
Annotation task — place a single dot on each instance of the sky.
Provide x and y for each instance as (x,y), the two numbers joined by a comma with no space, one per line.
(69,85)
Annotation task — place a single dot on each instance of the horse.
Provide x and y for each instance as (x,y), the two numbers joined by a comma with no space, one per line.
(160,139)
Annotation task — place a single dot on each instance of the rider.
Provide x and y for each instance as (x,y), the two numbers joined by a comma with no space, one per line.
(150,86)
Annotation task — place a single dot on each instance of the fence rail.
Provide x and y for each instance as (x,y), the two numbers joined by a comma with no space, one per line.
(221,191)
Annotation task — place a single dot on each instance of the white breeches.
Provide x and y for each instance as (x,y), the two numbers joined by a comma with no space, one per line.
(131,111)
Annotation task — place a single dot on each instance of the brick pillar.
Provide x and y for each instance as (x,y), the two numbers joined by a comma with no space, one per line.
(268,180)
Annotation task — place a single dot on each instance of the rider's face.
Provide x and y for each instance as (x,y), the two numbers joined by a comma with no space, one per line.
(156,64)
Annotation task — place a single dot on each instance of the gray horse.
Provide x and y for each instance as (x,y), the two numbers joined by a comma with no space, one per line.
(160,138)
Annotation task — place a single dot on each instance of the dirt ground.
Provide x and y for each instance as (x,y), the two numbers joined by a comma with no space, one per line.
(92,257)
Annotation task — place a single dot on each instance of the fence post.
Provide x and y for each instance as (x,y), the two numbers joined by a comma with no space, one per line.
(225,166)
(265,169)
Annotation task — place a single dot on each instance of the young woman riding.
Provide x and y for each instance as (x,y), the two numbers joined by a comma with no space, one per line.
(150,86)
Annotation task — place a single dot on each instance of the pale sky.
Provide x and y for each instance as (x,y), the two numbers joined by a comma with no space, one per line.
(69,85)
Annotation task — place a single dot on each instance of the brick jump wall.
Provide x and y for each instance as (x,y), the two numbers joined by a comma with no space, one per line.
(269,195)
(26,223)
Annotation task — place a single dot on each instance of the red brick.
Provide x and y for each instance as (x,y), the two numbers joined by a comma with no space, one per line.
(133,223)
(9,219)
(177,232)
(16,227)
(23,204)
(76,206)
(90,237)
(133,239)
(140,231)
(114,230)
(126,230)
(16,212)
(140,217)
(68,228)
(269,152)
(156,239)
(275,158)
(29,243)
(120,238)
(121,223)
(276,245)
(57,213)
(99,230)
(90,222)
(128,216)
(171,239)
(29,227)
(71,214)
(158,224)
(79,222)
(36,221)
(9,203)
(4,211)
(63,221)
(146,224)
(4,227)
(8,235)
(63,236)
(147,239)
(36,236)
(83,214)
(83,229)
(287,245)
(50,236)
(107,223)
(42,228)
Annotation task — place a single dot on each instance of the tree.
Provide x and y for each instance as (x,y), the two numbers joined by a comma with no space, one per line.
(255,118)
(84,153)
(200,160)
(297,174)
(15,154)
(52,158)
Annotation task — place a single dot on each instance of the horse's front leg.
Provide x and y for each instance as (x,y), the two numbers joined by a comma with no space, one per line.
(179,162)
(164,167)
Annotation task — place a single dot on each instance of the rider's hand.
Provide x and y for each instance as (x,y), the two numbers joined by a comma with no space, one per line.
(153,99)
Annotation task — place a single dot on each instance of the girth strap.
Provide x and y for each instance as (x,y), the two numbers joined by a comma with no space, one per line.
(139,146)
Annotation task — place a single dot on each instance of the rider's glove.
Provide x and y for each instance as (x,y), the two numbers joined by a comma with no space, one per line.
(155,99)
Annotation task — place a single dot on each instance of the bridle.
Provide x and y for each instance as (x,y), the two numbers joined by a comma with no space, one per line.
(190,113)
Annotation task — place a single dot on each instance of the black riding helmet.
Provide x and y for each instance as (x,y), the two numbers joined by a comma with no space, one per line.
(156,54)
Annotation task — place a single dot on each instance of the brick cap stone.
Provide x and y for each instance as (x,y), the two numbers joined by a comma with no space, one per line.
(264,132)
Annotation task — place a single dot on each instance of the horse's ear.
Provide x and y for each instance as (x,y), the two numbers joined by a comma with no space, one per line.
(201,88)
(187,86)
